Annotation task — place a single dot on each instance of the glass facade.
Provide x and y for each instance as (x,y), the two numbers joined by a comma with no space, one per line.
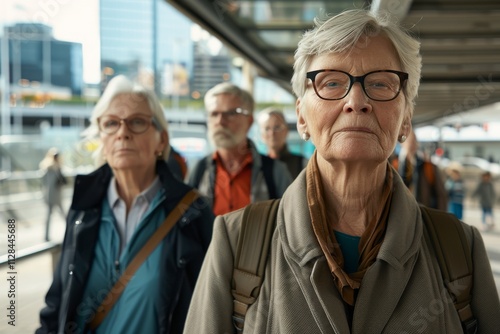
(141,38)
(35,56)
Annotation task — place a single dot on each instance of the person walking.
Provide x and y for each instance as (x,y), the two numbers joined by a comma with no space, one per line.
(53,181)
(274,133)
(455,187)
(485,191)
(235,175)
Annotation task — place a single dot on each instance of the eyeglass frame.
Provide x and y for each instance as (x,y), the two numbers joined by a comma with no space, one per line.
(274,129)
(126,120)
(228,114)
(403,78)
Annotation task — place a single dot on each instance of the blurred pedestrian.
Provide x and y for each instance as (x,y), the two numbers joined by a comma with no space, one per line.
(420,175)
(114,236)
(485,191)
(455,187)
(274,133)
(53,181)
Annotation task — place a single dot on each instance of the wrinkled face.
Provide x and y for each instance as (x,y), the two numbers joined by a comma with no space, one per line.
(226,129)
(355,128)
(274,132)
(125,149)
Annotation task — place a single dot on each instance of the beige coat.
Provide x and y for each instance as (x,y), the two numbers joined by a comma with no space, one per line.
(402,292)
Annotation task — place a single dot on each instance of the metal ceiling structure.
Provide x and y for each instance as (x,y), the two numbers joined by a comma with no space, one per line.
(460,42)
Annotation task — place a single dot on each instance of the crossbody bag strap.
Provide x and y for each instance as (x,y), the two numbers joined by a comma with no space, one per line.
(150,245)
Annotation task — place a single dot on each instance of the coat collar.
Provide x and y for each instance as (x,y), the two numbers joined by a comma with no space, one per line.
(90,189)
(404,228)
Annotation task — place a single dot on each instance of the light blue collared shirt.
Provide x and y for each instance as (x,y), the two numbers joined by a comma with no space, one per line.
(127,224)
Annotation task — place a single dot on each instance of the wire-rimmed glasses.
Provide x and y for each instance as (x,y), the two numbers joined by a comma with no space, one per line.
(383,85)
(137,124)
(228,114)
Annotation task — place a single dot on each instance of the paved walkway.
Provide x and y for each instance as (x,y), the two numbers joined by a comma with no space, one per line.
(34,275)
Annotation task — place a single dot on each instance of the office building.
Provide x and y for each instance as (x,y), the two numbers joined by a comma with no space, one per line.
(145,40)
(38,62)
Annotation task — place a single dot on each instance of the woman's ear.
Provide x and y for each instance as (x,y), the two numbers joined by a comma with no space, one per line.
(301,121)
(164,140)
(406,127)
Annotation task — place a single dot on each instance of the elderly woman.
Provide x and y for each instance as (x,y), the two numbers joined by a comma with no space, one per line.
(274,133)
(349,253)
(115,212)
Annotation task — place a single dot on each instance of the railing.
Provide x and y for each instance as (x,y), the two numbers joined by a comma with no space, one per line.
(51,247)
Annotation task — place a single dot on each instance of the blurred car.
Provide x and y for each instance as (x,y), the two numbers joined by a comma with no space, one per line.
(472,167)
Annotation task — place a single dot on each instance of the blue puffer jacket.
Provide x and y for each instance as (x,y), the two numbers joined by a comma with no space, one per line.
(181,258)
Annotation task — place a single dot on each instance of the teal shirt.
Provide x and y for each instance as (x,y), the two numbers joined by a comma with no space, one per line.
(137,309)
(349,245)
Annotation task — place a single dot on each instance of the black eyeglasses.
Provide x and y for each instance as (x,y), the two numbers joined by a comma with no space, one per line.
(383,85)
(137,124)
(229,114)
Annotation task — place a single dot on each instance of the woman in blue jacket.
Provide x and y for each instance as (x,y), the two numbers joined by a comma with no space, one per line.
(114,212)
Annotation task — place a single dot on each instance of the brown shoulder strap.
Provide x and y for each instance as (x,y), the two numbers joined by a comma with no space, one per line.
(256,229)
(150,245)
(455,260)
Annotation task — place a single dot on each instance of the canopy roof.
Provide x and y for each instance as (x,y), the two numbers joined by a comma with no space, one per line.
(460,42)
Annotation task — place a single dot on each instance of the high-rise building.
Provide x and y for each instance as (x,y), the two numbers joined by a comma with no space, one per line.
(146,40)
(36,58)
(209,69)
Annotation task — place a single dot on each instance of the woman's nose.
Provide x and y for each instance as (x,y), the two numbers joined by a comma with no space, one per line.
(356,99)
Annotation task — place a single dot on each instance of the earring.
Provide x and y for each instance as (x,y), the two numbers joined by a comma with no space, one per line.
(402,139)
(305,136)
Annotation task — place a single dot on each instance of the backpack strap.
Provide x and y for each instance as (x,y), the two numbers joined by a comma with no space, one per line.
(267,170)
(455,260)
(256,230)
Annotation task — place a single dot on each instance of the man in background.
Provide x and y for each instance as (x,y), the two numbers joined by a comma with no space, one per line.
(235,175)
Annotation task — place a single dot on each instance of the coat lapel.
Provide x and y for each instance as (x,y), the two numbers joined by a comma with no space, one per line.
(308,263)
(330,310)
(388,277)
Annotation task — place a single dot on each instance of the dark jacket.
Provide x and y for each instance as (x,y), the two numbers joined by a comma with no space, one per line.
(294,162)
(183,252)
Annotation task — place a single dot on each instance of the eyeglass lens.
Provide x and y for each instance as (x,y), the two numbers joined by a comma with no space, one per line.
(136,124)
(381,86)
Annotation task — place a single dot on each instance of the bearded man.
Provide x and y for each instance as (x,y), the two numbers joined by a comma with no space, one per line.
(235,175)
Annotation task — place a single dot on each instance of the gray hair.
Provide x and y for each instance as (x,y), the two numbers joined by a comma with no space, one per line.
(121,85)
(341,33)
(271,111)
(231,89)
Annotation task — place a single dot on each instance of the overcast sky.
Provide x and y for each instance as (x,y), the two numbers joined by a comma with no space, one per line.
(71,20)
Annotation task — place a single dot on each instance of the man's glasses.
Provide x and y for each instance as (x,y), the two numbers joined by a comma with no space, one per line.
(229,114)
(382,85)
(137,124)
(274,129)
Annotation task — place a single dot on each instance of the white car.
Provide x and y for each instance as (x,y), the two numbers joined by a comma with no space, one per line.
(473,167)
